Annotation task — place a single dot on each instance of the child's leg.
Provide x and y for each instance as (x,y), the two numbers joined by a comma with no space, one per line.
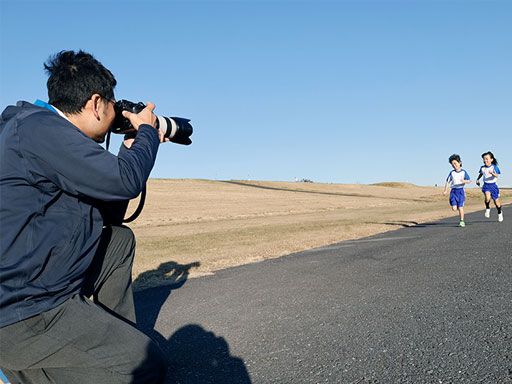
(497,203)
(461,213)
(495,195)
(487,200)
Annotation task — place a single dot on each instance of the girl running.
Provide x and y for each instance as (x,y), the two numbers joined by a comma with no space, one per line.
(490,171)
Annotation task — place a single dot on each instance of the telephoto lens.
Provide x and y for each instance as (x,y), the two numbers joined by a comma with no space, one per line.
(176,129)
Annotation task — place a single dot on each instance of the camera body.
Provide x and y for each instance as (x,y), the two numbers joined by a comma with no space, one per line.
(176,129)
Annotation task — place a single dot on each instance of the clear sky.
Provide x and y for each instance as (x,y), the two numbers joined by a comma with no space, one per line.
(332,91)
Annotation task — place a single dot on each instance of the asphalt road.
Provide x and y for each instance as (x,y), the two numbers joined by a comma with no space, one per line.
(427,303)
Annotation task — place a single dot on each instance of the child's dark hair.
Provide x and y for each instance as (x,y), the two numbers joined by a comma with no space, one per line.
(455,157)
(494,161)
(74,77)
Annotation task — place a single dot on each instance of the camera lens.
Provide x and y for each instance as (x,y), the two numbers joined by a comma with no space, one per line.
(176,129)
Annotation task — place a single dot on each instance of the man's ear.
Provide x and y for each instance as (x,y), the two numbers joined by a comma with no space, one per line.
(95,102)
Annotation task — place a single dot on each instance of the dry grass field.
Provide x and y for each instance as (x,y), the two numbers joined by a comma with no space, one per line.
(194,227)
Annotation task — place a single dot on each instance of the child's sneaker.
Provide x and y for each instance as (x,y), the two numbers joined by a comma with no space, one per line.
(500,217)
(462,224)
(487,213)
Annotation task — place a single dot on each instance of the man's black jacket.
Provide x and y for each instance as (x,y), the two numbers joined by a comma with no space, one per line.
(53,179)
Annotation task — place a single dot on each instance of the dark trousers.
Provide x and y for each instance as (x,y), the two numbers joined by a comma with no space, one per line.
(90,338)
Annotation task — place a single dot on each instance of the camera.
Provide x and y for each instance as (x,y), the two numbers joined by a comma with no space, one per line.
(176,129)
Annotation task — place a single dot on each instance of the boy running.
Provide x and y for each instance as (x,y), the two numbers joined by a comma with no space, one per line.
(457,179)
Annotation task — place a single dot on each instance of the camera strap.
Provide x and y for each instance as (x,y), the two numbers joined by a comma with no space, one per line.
(139,207)
(107,140)
(142,194)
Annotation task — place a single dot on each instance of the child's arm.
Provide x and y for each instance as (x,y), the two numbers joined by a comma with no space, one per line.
(478,179)
(448,182)
(467,179)
(446,188)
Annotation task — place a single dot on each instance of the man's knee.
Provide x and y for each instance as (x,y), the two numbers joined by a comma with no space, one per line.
(123,240)
(123,234)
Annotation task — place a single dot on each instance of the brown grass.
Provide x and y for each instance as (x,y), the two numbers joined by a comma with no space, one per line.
(195,227)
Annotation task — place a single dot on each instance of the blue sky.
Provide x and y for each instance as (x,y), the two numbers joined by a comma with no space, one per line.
(333,91)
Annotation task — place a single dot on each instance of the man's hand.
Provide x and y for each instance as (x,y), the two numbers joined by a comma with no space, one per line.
(146,116)
(478,182)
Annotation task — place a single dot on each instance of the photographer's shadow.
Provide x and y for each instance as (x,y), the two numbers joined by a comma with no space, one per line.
(194,354)
(152,289)
(198,356)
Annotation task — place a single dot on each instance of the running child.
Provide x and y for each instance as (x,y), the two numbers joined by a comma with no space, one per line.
(490,171)
(457,180)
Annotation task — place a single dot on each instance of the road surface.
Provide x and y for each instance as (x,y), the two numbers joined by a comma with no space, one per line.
(427,303)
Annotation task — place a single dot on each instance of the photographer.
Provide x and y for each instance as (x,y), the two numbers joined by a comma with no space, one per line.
(66,302)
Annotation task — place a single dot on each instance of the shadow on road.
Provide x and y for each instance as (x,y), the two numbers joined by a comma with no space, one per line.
(415,225)
(198,356)
(150,298)
(195,355)
(401,223)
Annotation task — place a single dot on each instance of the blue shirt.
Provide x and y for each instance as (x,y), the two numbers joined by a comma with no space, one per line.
(53,179)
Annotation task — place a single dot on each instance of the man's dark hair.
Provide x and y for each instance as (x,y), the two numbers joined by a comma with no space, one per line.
(74,78)
(494,160)
(455,157)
